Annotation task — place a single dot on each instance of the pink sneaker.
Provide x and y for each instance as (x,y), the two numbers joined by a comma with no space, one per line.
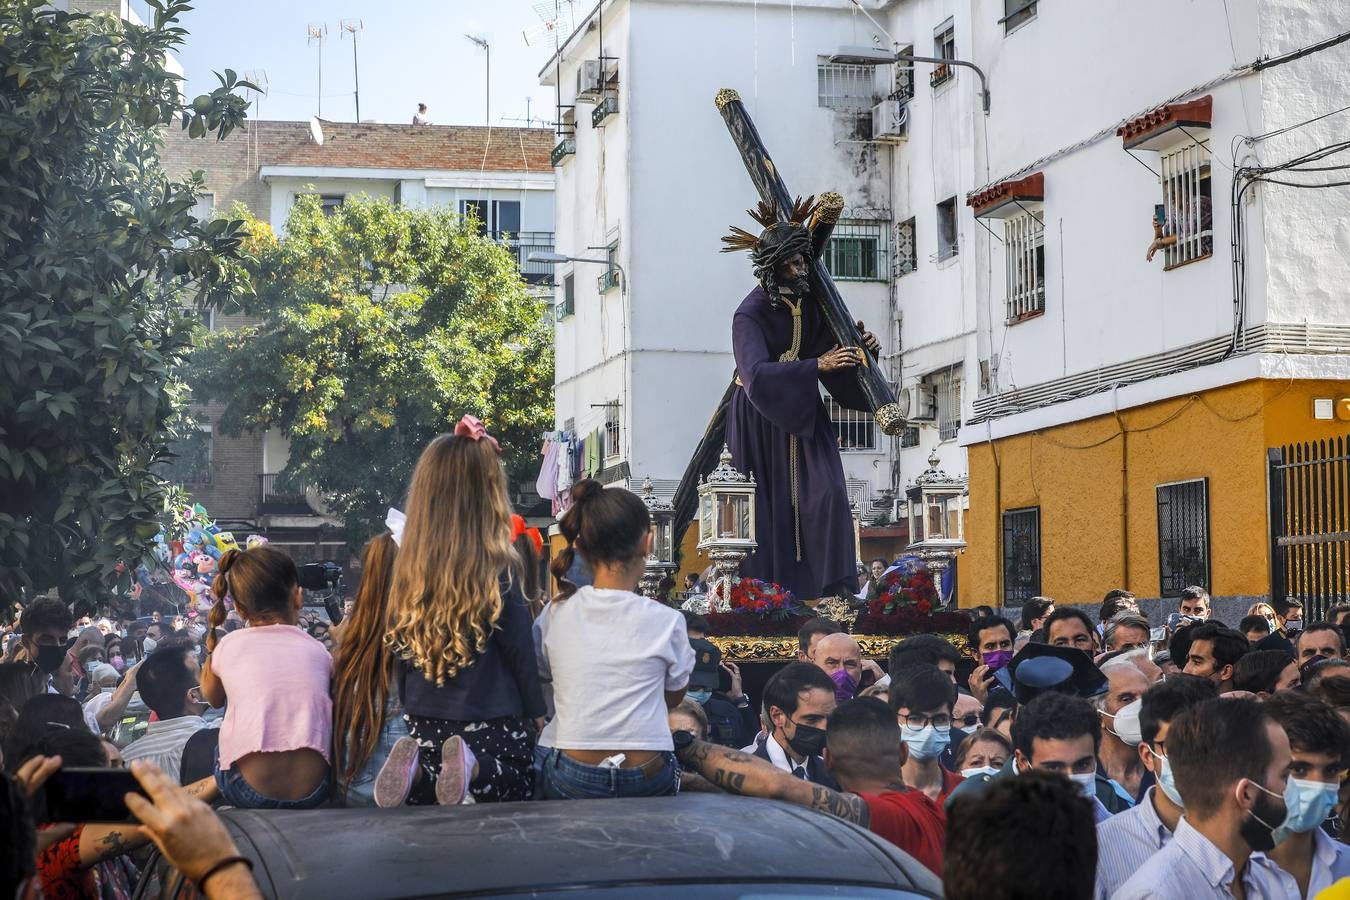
(397,775)
(456,771)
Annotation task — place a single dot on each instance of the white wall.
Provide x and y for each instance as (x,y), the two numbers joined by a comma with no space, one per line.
(284,191)
(674,170)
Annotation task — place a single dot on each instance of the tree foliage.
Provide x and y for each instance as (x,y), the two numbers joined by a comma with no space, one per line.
(380,326)
(100,253)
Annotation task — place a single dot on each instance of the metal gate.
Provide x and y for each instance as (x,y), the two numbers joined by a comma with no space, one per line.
(1310,524)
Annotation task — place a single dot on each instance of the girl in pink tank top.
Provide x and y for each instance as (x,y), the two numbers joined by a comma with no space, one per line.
(272,678)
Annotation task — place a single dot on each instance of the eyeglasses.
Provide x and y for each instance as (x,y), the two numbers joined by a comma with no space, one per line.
(918,720)
(969,720)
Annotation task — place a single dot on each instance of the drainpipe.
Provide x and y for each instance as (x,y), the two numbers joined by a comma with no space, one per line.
(1124,488)
(998,517)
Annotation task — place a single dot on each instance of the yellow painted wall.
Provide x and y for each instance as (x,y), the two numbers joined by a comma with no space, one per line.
(1073,472)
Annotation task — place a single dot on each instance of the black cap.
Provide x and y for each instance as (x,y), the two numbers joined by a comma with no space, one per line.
(1038,668)
(707,658)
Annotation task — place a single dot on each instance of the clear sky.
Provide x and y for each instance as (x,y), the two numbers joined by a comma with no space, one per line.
(409,51)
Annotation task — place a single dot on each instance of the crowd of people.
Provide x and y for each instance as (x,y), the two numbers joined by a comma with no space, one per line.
(1080,756)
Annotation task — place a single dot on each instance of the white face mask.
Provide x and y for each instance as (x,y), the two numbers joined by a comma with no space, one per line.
(979,770)
(149,645)
(1126,723)
(1087,783)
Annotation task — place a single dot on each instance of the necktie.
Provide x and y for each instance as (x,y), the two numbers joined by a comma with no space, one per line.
(800,772)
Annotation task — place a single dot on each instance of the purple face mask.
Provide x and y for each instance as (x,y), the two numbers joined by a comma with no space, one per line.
(844,685)
(997,659)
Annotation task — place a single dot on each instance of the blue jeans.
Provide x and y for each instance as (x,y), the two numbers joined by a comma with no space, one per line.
(361,790)
(563,778)
(235,791)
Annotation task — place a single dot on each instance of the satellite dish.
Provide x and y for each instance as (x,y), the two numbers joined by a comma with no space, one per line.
(316,130)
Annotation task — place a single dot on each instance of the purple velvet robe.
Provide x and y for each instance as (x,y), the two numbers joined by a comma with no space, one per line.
(777,399)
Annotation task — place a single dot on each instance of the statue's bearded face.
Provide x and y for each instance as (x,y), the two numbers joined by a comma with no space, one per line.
(791,276)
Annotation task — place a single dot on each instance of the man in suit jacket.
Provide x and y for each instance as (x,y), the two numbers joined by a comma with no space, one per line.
(798,701)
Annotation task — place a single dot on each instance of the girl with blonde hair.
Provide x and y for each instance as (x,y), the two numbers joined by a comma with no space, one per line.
(459,630)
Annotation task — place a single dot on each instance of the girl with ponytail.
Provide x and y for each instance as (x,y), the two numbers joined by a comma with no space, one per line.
(617,661)
(459,633)
(275,739)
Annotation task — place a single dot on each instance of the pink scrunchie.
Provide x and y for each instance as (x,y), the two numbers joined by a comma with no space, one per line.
(471,427)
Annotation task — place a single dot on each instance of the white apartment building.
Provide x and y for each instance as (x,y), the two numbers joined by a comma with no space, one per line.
(648,176)
(1112,413)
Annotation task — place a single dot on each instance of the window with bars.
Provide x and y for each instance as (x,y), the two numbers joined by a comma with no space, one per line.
(1021,555)
(1183,536)
(909,437)
(1186,213)
(330,203)
(904,77)
(1024,246)
(846,87)
(946,385)
(855,430)
(1017,12)
(612,429)
(946,230)
(906,259)
(857,251)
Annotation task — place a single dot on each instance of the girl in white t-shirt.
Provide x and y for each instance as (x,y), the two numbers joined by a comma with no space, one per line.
(616,661)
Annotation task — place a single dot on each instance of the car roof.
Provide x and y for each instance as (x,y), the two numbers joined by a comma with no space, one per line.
(506,847)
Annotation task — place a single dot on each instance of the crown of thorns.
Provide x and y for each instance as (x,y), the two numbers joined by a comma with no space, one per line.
(779,240)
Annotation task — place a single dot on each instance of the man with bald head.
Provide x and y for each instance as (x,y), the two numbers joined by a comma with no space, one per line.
(840,657)
(1118,756)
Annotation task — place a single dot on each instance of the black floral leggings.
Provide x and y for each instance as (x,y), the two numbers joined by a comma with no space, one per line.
(504,749)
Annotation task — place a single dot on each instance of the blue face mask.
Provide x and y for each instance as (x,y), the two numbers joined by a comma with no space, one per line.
(699,697)
(1167,783)
(1309,803)
(926,742)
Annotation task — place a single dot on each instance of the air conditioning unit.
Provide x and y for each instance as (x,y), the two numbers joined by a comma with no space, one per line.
(922,402)
(889,121)
(590,80)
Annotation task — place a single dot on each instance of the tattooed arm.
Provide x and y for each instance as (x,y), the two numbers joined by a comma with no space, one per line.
(742,773)
(100,842)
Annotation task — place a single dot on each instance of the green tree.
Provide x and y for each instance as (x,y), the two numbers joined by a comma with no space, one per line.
(380,326)
(101,252)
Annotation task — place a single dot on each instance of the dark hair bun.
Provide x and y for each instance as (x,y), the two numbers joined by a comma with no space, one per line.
(586,489)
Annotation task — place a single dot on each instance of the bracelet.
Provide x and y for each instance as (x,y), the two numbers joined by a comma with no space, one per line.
(223,864)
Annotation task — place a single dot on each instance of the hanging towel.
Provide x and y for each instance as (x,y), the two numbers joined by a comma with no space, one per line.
(547,481)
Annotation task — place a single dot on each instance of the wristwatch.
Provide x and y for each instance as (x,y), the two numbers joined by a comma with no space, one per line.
(683,740)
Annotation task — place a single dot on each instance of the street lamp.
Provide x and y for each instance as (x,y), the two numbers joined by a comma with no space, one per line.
(661,560)
(726,523)
(872,56)
(936,527)
(553,259)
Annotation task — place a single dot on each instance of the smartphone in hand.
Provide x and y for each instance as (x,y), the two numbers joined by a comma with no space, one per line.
(89,795)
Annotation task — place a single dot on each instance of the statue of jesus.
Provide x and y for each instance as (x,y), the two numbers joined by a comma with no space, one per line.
(778,428)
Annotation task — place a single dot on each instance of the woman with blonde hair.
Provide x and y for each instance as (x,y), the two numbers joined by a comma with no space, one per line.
(367,716)
(459,630)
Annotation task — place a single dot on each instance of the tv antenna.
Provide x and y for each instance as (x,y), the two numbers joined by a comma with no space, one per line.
(259,78)
(318,33)
(352,26)
(487,90)
(554,25)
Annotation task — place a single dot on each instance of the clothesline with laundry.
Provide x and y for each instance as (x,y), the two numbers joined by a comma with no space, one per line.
(567,458)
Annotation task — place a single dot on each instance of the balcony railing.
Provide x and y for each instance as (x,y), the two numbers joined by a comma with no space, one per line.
(608,281)
(941,74)
(275,497)
(522,244)
(565,148)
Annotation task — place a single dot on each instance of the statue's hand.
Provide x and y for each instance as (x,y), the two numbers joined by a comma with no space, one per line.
(870,340)
(840,358)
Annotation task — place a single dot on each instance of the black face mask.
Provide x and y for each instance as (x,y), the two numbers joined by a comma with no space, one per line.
(807,740)
(50,657)
(1258,826)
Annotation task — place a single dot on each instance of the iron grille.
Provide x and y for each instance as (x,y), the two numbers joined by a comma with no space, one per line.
(846,87)
(857,252)
(1183,536)
(855,430)
(1021,555)
(1310,524)
(905,257)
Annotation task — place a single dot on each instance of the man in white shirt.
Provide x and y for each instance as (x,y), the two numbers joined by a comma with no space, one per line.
(1231,761)
(1126,840)
(1305,860)
(169,682)
(798,699)
(420,117)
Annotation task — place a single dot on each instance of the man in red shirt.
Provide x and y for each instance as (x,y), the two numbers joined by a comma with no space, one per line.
(864,753)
